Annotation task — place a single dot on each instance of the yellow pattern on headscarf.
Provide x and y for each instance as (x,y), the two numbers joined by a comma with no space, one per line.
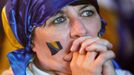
(14,42)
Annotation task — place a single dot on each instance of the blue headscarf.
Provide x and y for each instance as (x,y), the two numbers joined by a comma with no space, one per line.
(23,16)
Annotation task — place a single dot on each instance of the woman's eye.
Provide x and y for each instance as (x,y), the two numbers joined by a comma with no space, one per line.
(87,13)
(59,20)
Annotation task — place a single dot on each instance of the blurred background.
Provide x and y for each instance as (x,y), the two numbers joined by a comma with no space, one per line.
(119,15)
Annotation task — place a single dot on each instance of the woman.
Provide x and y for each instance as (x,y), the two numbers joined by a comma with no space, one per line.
(57,37)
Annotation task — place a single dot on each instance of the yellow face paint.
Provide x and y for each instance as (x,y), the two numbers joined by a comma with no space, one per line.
(54,47)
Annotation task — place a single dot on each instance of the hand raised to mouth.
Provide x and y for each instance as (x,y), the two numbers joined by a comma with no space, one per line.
(91,56)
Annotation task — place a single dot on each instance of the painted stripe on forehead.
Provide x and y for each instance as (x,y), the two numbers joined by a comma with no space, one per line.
(54,47)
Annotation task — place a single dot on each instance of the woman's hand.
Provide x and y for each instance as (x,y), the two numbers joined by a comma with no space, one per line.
(96,44)
(97,51)
(89,63)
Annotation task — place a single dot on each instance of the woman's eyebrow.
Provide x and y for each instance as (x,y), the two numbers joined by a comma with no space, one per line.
(59,12)
(85,6)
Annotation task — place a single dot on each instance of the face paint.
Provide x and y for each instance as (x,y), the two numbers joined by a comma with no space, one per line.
(54,47)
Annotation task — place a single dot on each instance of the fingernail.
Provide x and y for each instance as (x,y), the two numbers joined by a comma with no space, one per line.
(81,51)
(72,49)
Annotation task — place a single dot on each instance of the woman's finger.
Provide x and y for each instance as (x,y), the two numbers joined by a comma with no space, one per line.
(103,57)
(108,68)
(77,43)
(96,43)
(87,43)
(105,43)
(90,57)
(96,47)
(80,59)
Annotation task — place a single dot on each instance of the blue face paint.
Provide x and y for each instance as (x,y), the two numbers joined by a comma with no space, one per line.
(54,47)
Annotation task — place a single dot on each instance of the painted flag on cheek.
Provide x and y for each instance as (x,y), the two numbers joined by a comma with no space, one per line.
(54,47)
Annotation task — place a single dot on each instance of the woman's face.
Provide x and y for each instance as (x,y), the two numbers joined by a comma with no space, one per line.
(70,23)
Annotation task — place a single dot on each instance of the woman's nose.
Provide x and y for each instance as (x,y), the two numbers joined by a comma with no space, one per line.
(78,29)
